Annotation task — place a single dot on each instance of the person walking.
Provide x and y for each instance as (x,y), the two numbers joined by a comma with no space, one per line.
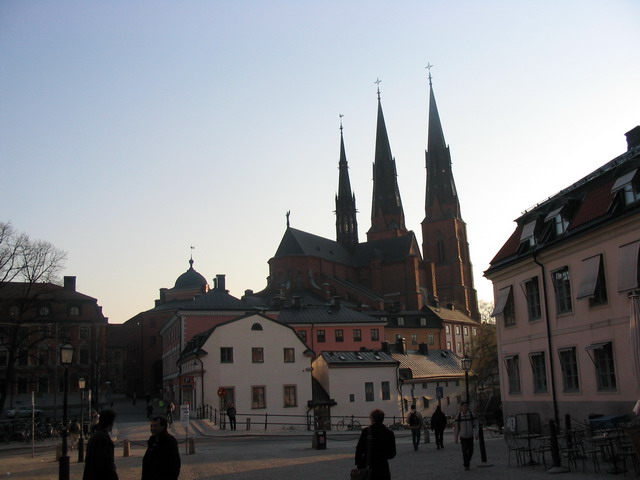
(466,427)
(74,433)
(438,424)
(161,461)
(231,415)
(414,420)
(169,411)
(376,445)
(100,459)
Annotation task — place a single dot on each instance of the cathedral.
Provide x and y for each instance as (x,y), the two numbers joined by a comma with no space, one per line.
(388,272)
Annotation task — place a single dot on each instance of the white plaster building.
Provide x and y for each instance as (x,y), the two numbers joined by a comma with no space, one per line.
(262,365)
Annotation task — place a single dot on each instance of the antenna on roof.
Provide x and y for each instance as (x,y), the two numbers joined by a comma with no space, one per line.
(191,257)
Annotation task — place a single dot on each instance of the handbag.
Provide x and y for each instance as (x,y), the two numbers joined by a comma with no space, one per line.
(360,473)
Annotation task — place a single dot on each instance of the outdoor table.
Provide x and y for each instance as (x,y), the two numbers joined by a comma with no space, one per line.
(606,441)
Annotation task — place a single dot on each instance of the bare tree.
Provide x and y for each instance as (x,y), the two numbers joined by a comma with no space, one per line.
(485,358)
(24,263)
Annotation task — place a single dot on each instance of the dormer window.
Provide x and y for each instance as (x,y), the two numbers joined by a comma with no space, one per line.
(527,238)
(628,185)
(400,321)
(558,221)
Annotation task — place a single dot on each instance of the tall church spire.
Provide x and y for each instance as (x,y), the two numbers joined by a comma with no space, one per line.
(387,215)
(441,198)
(444,233)
(346,222)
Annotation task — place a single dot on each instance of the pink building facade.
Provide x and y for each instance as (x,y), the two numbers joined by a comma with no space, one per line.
(565,285)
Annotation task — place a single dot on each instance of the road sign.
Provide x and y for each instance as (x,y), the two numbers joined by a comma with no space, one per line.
(184,414)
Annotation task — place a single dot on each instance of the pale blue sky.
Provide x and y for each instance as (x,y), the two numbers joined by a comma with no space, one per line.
(132,130)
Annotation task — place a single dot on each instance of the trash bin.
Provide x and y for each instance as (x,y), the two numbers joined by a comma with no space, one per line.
(320,439)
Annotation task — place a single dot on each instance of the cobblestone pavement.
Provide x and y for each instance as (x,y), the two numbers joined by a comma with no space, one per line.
(259,455)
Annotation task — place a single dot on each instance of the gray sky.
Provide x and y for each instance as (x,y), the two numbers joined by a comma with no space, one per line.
(130,131)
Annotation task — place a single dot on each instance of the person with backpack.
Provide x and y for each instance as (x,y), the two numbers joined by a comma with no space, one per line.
(466,429)
(414,419)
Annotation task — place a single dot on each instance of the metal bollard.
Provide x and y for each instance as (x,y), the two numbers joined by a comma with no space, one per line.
(427,436)
(58,452)
(191,446)
(126,448)
(249,423)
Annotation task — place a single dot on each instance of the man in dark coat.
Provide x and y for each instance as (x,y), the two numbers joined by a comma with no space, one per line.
(376,445)
(161,461)
(438,424)
(100,460)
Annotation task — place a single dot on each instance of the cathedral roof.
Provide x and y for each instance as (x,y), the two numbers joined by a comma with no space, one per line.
(386,249)
(297,242)
(190,279)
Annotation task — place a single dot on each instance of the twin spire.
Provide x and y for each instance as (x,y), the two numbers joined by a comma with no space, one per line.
(387,213)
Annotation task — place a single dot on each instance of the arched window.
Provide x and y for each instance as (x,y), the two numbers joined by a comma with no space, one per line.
(256,326)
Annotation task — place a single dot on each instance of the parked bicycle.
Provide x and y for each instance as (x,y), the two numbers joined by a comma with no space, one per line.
(348,424)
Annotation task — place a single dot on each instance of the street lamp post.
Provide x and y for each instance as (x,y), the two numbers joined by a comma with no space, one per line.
(466,366)
(66,357)
(81,384)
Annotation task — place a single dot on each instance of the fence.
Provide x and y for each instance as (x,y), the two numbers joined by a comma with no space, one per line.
(268,420)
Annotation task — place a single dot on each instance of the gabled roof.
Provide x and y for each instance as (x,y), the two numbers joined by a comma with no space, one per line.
(297,242)
(325,315)
(362,358)
(435,363)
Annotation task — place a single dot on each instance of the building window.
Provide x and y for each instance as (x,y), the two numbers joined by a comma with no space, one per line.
(592,283)
(320,338)
(425,402)
(629,188)
(414,339)
(447,328)
(258,397)
(357,335)
(398,336)
(629,267)
(289,355)
(527,237)
(440,255)
(569,366)
(457,329)
(458,347)
(23,357)
(290,397)
(43,356)
(505,306)
(302,334)
(448,345)
(562,288)
(4,357)
(84,333)
(256,327)
(539,371)
(513,373)
(386,391)
(605,369)
(339,335)
(423,322)
(400,321)
(431,339)
(226,354)
(368,391)
(257,355)
(43,384)
(352,398)
(43,311)
(466,331)
(375,334)
(74,311)
(475,331)
(532,294)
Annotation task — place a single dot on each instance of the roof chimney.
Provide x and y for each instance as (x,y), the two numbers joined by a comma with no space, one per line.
(633,137)
(401,345)
(70,283)
(384,346)
(423,348)
(219,282)
(335,302)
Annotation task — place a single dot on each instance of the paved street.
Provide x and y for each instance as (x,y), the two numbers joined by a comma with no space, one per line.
(224,455)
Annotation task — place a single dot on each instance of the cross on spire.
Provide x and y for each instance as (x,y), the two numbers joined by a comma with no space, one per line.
(429,67)
(377,82)
(340,115)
